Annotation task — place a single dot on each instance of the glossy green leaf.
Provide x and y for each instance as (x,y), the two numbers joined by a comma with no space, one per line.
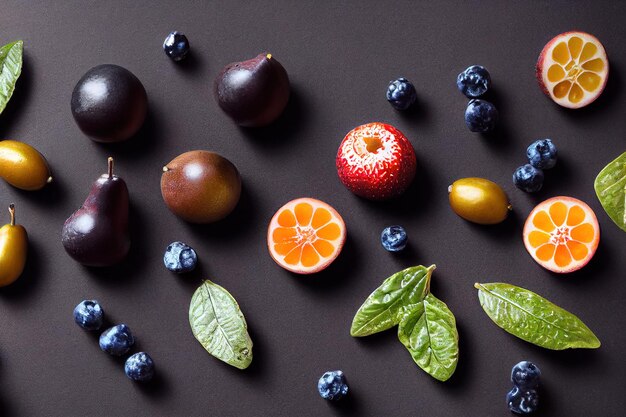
(610,186)
(385,307)
(429,333)
(10,70)
(220,327)
(533,318)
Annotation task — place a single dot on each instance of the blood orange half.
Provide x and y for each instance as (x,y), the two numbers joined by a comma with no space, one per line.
(572,69)
(305,235)
(562,234)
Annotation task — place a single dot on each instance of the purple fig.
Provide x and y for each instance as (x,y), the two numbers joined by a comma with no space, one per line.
(253,92)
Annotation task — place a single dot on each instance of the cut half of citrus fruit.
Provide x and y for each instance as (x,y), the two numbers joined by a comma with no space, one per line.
(562,234)
(305,235)
(573,69)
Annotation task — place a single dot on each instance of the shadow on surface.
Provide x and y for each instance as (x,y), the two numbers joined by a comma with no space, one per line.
(136,260)
(347,406)
(285,129)
(27,282)
(51,194)
(418,114)
(336,275)
(500,140)
(558,177)
(142,144)
(157,389)
(412,202)
(14,109)
(192,65)
(511,226)
(237,224)
(465,366)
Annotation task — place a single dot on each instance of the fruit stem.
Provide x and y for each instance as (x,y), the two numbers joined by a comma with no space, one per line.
(165,169)
(49,180)
(477,285)
(509,207)
(12,213)
(268,56)
(449,188)
(110,166)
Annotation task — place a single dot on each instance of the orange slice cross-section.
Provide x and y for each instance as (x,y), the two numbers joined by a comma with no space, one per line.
(562,234)
(305,235)
(573,69)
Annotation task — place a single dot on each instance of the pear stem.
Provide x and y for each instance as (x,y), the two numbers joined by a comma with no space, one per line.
(12,213)
(110,167)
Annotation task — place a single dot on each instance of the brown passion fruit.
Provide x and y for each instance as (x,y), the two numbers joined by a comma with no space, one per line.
(200,186)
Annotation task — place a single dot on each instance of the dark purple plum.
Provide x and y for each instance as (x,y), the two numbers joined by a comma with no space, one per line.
(97,233)
(253,92)
(109,103)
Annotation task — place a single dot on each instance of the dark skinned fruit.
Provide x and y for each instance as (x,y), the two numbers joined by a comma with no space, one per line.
(23,166)
(253,92)
(109,103)
(200,186)
(97,233)
(13,250)
(479,200)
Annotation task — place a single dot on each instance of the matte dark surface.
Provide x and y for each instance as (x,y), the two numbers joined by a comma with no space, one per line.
(340,58)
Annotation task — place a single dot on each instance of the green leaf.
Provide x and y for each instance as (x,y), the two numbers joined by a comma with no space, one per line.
(385,307)
(10,70)
(610,186)
(429,333)
(220,327)
(533,318)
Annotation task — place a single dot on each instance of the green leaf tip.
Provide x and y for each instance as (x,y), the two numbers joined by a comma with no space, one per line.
(10,70)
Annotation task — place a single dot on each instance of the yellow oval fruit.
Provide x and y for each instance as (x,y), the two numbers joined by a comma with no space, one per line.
(23,166)
(13,250)
(479,200)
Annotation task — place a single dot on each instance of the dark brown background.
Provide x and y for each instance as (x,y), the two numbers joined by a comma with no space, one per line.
(340,57)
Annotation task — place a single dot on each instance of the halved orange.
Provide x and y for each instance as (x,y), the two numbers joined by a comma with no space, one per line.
(562,234)
(573,69)
(305,235)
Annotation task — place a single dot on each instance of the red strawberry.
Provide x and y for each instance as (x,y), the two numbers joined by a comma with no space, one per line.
(376,161)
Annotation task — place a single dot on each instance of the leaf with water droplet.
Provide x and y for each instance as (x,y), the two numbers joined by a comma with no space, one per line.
(610,186)
(533,318)
(219,325)
(429,333)
(385,307)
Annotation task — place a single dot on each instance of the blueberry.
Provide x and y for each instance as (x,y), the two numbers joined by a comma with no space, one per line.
(528,178)
(89,315)
(180,257)
(394,238)
(117,340)
(332,385)
(522,401)
(526,375)
(474,81)
(401,94)
(542,154)
(481,116)
(176,46)
(139,367)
